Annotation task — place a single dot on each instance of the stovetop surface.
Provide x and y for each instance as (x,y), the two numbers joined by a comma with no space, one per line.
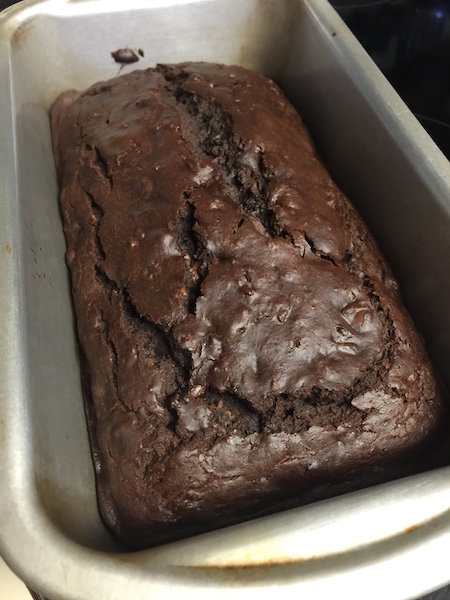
(410,42)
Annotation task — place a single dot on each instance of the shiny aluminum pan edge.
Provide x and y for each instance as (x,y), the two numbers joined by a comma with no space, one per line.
(50,532)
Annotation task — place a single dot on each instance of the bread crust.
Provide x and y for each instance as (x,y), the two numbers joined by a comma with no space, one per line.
(243,340)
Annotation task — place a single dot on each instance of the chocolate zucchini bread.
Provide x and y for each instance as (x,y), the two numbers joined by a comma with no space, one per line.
(243,342)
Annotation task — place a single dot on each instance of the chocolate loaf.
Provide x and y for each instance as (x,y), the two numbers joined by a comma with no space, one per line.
(243,342)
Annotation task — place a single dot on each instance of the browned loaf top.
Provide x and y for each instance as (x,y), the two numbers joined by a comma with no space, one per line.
(243,339)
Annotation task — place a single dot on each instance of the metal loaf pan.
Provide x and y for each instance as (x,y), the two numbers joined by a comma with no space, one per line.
(390,541)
